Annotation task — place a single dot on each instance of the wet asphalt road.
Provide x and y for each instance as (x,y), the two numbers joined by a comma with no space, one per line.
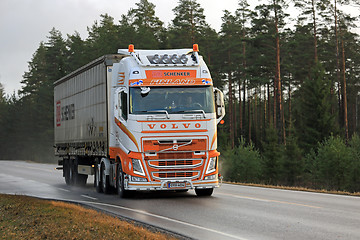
(233,211)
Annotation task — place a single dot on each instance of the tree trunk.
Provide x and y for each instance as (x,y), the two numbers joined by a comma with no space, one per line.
(344,93)
(244,105)
(240,111)
(235,118)
(231,130)
(269,105)
(249,116)
(314,28)
(341,122)
(290,120)
(255,113)
(231,123)
(279,119)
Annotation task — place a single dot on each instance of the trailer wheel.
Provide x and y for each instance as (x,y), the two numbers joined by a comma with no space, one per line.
(68,172)
(97,180)
(120,183)
(79,179)
(206,192)
(105,185)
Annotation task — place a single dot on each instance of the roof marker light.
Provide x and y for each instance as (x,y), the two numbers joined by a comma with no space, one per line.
(131,48)
(195,47)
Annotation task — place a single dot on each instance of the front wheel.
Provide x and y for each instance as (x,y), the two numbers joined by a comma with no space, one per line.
(120,185)
(206,192)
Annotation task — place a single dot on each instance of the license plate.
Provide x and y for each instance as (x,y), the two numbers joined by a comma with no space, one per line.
(176,184)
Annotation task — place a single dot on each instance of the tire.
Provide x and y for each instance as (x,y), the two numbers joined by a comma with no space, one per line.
(206,192)
(68,172)
(120,183)
(97,180)
(105,185)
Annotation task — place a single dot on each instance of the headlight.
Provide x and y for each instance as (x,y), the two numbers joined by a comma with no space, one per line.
(137,167)
(212,165)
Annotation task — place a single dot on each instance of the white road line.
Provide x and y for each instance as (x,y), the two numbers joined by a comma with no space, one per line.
(164,218)
(92,198)
(41,169)
(62,189)
(296,191)
(268,200)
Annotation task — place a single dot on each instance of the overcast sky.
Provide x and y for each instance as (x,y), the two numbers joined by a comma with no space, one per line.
(25,23)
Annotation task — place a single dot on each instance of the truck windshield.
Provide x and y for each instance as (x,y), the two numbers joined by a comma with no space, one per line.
(172,100)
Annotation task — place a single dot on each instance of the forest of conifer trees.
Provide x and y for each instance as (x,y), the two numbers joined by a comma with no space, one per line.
(291,84)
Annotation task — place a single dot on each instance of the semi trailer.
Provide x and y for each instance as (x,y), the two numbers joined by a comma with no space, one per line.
(140,120)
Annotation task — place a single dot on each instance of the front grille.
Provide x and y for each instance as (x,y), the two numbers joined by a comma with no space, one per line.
(176,163)
(179,163)
(178,174)
(175,159)
(175,155)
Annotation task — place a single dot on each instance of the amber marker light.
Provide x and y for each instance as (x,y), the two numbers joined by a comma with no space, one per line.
(222,122)
(195,48)
(131,48)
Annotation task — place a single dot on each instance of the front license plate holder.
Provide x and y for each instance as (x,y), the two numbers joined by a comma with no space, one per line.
(172,185)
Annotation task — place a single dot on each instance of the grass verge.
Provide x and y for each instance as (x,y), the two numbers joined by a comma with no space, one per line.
(23,217)
(296,188)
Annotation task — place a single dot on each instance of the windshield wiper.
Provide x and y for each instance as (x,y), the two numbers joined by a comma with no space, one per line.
(192,111)
(155,111)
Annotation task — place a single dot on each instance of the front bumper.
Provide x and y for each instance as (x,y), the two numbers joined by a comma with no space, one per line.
(171,184)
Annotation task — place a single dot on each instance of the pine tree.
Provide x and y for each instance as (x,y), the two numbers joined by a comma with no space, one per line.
(272,157)
(103,38)
(76,55)
(48,65)
(188,24)
(243,13)
(148,27)
(310,10)
(315,121)
(230,48)
(293,164)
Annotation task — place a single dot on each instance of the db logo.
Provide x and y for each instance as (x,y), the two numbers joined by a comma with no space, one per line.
(157,74)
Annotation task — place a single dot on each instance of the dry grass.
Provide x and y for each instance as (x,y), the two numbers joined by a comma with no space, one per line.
(23,217)
(296,188)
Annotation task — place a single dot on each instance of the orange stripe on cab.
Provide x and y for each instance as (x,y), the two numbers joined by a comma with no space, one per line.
(127,132)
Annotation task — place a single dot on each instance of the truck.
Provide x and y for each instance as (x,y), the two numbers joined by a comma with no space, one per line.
(140,120)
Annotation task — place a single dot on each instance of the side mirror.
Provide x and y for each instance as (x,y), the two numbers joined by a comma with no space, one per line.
(219,105)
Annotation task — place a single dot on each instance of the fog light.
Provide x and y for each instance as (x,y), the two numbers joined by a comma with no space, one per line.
(211,177)
(138,179)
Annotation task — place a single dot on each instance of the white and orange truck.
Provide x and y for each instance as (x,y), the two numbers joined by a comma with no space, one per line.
(140,120)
